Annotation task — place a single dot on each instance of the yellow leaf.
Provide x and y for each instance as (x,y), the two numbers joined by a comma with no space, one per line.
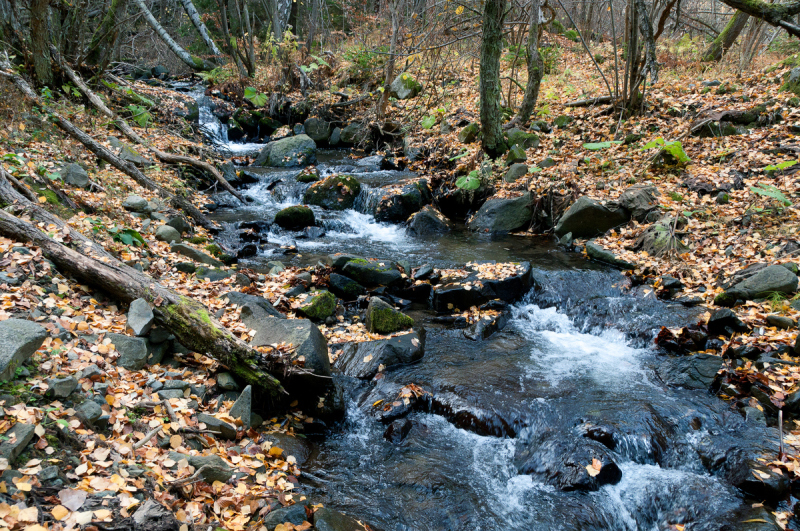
(275,451)
(592,470)
(60,512)
(175,441)
(42,199)
(31,514)
(459,10)
(24,487)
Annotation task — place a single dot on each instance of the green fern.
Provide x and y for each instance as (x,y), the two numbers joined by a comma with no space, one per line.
(770,191)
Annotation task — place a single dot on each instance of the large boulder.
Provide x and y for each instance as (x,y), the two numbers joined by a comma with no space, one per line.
(587,218)
(429,221)
(74,175)
(364,360)
(396,207)
(295,218)
(769,280)
(404,87)
(371,274)
(298,150)
(692,372)
(503,214)
(639,200)
(19,339)
(317,129)
(354,134)
(382,318)
(140,318)
(337,192)
(308,342)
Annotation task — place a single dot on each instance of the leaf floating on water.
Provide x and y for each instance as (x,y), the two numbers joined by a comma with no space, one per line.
(597,464)
(592,470)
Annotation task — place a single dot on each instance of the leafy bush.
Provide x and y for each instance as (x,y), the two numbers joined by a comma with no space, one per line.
(572,35)
(557,26)
(365,63)
(673,148)
(550,56)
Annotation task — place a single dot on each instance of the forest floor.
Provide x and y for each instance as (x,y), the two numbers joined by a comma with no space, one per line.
(723,237)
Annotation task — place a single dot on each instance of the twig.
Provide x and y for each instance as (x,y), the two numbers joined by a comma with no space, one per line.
(149,435)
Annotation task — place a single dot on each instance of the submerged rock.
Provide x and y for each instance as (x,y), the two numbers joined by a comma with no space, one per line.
(692,372)
(337,192)
(569,464)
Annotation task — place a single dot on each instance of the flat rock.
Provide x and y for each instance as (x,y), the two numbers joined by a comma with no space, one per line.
(329,520)
(692,372)
(245,299)
(371,274)
(503,214)
(17,438)
(294,514)
(364,359)
(595,252)
(220,426)
(19,339)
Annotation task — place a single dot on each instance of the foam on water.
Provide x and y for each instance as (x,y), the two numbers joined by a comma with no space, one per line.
(365,227)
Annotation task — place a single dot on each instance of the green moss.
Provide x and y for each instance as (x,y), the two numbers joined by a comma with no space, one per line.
(295,218)
(359,261)
(319,305)
(307,178)
(725,299)
(214,249)
(198,240)
(387,321)
(337,192)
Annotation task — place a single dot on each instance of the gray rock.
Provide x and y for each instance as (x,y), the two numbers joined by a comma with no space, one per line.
(600,254)
(166,233)
(329,520)
(515,171)
(404,87)
(319,130)
(225,381)
(89,412)
(754,415)
(308,341)
(49,473)
(769,280)
(198,256)
(140,317)
(693,372)
(336,137)
(5,278)
(128,154)
(167,394)
(213,274)
(429,221)
(503,215)
(639,200)
(18,438)
(516,154)
(354,134)
(132,351)
(156,352)
(381,318)
(296,514)
(136,203)
(74,175)
(587,218)
(362,360)
(158,335)
(220,426)
(298,129)
(298,150)
(345,288)
(371,274)
(781,322)
(176,384)
(180,224)
(91,370)
(152,516)
(242,408)
(255,303)
(61,387)
(19,339)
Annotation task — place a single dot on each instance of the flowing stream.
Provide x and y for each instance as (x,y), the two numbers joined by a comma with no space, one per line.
(576,359)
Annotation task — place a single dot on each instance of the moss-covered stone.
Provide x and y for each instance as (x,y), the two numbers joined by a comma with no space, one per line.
(295,218)
(383,319)
(404,87)
(791,81)
(515,154)
(337,192)
(522,139)
(563,121)
(309,177)
(469,134)
(319,305)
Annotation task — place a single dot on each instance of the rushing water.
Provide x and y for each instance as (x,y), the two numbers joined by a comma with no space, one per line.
(576,355)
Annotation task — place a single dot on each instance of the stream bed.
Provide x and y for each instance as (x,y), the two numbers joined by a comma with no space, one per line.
(575,368)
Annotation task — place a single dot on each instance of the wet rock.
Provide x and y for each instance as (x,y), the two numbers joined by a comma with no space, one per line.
(152,516)
(423,273)
(61,387)
(769,280)
(328,520)
(397,431)
(242,408)
(404,87)
(319,130)
(295,218)
(587,218)
(140,318)
(299,447)
(295,514)
(336,137)
(692,372)
(345,288)
(132,351)
(17,438)
(74,175)
(515,171)
(364,359)
(754,415)
(298,150)
(371,274)
(595,252)
(563,464)
(503,214)
(168,234)
(135,203)
(253,301)
(318,305)
(19,339)
(397,207)
(457,203)
(337,192)
(216,425)
(381,318)
(487,326)
(194,254)
(429,221)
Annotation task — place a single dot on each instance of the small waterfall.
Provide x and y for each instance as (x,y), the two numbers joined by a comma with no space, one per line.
(217,133)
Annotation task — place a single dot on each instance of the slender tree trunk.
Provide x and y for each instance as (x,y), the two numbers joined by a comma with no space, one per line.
(195,63)
(384,101)
(106,35)
(194,16)
(646,29)
(727,37)
(40,41)
(535,68)
(312,24)
(491,47)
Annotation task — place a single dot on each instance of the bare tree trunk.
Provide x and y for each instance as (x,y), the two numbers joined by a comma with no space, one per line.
(105,36)
(384,101)
(491,47)
(779,15)
(40,37)
(646,29)
(535,68)
(312,24)
(727,37)
(195,63)
(194,16)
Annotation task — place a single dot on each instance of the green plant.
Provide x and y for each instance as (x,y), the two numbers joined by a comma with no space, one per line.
(215,76)
(597,146)
(428,122)
(314,66)
(675,196)
(550,56)
(674,148)
(255,97)
(140,115)
(572,35)
(127,236)
(772,192)
(469,182)
(780,166)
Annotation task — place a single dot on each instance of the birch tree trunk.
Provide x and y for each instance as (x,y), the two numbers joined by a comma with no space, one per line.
(195,63)
(491,47)
(194,16)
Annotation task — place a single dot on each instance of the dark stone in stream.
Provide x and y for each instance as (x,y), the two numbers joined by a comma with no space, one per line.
(693,372)
(487,326)
(295,514)
(429,221)
(457,203)
(503,214)
(396,207)
(371,273)
(364,359)
(464,293)
(299,447)
(725,322)
(328,520)
(398,430)
(295,217)
(563,464)
(337,192)
(344,287)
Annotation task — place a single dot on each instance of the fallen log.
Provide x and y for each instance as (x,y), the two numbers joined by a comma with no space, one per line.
(589,102)
(187,319)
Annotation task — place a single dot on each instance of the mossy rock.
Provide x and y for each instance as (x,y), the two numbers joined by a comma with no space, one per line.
(337,192)
(515,154)
(522,139)
(310,177)
(791,81)
(319,305)
(562,121)
(789,62)
(295,218)
(469,134)
(404,87)
(383,319)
